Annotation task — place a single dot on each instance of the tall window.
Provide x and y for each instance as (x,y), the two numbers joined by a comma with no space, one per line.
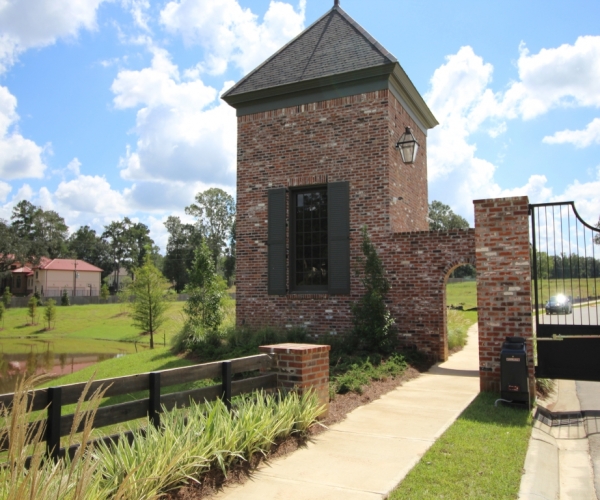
(318,257)
(309,259)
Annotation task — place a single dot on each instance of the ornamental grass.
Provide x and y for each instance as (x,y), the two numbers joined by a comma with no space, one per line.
(187,444)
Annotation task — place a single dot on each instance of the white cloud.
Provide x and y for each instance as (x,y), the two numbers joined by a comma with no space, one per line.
(565,76)
(90,194)
(36,23)
(5,189)
(579,138)
(185,133)
(230,33)
(19,157)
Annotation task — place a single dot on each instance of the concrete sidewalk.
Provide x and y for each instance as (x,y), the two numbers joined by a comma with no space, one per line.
(372,450)
(558,464)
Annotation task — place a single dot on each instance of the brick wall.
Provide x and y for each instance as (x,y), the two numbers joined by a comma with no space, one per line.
(349,139)
(301,367)
(503,282)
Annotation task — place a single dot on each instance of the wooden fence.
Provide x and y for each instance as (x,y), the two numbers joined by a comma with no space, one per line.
(53,399)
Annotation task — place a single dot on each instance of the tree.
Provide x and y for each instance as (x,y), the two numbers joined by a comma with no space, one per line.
(183,239)
(230,258)
(203,308)
(129,242)
(372,321)
(7,297)
(2,310)
(32,306)
(442,218)
(44,233)
(86,245)
(150,298)
(214,211)
(597,237)
(50,312)
(104,291)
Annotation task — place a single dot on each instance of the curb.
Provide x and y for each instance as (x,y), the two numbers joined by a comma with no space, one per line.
(541,470)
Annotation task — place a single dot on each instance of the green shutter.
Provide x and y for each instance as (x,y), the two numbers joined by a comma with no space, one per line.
(276,242)
(338,215)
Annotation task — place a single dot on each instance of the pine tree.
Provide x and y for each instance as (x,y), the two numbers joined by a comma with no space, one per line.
(150,303)
(64,299)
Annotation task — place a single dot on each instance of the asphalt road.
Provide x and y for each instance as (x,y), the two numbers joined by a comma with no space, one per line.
(589,399)
(584,315)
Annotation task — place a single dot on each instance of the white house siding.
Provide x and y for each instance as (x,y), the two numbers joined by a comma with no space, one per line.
(51,283)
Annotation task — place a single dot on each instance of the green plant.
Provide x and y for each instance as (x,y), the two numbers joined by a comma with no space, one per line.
(32,306)
(50,312)
(480,456)
(458,325)
(64,299)
(372,321)
(2,310)
(6,297)
(206,290)
(71,478)
(104,291)
(544,387)
(150,300)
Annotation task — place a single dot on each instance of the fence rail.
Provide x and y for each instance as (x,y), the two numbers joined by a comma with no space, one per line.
(53,399)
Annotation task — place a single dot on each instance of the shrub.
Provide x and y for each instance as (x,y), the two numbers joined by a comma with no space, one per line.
(2,310)
(458,325)
(104,292)
(6,297)
(373,323)
(64,299)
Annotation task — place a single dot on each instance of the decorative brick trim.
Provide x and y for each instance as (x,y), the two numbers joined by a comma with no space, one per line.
(315,106)
(301,367)
(307,180)
(307,296)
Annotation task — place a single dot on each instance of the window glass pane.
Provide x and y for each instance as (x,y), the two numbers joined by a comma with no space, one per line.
(310,247)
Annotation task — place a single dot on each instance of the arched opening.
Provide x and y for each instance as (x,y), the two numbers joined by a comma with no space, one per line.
(460,304)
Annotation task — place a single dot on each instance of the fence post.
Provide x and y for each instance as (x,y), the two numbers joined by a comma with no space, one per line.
(53,423)
(226,383)
(154,399)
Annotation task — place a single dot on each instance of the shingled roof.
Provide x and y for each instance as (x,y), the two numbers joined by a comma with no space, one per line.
(333,45)
(334,57)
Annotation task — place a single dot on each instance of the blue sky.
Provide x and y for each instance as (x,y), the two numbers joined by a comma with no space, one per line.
(112,109)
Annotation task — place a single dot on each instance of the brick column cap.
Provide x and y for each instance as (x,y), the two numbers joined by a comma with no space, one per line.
(510,199)
(291,348)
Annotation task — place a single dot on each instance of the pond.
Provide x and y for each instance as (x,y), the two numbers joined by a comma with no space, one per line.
(15,366)
(51,364)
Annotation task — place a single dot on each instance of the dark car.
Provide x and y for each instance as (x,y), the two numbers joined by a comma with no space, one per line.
(559,304)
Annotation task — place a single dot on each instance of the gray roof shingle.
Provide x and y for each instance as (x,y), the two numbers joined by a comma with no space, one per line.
(333,45)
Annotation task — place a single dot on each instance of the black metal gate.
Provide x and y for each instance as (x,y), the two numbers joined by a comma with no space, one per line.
(566,292)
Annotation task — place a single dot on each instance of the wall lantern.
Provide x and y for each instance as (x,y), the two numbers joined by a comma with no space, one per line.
(408,146)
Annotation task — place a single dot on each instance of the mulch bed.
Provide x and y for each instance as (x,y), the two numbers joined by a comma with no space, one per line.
(214,480)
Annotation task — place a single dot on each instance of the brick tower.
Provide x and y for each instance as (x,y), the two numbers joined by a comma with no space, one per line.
(318,124)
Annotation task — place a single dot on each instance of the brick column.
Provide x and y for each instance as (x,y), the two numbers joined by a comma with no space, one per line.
(503,283)
(301,367)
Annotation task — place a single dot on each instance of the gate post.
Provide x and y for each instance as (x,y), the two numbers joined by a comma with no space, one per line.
(503,283)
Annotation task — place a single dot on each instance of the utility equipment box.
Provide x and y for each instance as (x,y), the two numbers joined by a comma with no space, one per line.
(514,382)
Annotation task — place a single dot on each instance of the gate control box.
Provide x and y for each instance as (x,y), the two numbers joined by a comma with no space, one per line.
(514,382)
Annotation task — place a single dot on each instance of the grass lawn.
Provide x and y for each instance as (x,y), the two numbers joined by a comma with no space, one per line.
(480,456)
(462,294)
(101,328)
(575,287)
